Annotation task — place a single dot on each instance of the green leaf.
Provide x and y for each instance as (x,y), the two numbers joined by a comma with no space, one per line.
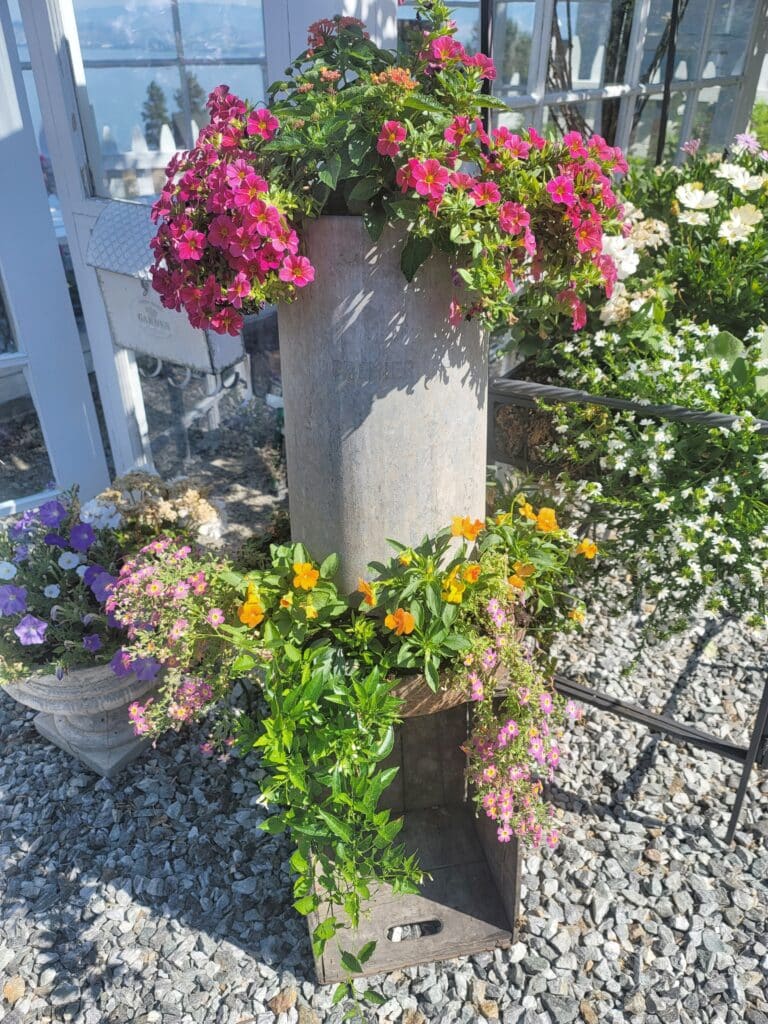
(385,746)
(325,930)
(329,175)
(421,103)
(375,221)
(366,952)
(350,962)
(243,663)
(342,991)
(329,567)
(274,825)
(726,346)
(403,208)
(306,904)
(299,862)
(414,253)
(375,998)
(336,825)
(358,147)
(364,189)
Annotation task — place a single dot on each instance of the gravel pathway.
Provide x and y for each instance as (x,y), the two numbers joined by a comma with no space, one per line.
(156,900)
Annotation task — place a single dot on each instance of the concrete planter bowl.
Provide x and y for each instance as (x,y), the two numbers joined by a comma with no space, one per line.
(86,714)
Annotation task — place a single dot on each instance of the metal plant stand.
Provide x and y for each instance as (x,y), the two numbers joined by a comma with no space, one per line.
(527,395)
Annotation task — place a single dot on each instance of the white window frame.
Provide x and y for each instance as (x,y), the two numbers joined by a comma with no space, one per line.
(37,300)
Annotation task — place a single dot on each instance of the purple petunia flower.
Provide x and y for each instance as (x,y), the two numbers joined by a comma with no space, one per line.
(113,622)
(23,525)
(121,664)
(55,540)
(92,572)
(92,642)
(52,513)
(101,586)
(13,600)
(30,630)
(146,669)
(81,536)
(21,553)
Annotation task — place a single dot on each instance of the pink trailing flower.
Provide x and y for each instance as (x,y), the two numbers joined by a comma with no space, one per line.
(485,192)
(262,122)
(458,130)
(297,270)
(513,218)
(429,178)
(391,135)
(561,190)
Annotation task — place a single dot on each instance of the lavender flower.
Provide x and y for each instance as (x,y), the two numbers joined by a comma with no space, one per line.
(81,536)
(101,585)
(13,600)
(146,669)
(52,513)
(92,642)
(30,630)
(121,664)
(55,540)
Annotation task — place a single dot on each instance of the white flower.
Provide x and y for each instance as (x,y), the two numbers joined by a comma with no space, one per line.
(747,214)
(52,590)
(696,217)
(623,253)
(740,177)
(68,560)
(7,570)
(695,198)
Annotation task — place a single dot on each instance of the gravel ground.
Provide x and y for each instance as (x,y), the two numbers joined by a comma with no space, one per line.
(156,900)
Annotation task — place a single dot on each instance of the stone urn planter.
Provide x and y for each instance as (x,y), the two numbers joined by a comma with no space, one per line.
(385,430)
(86,714)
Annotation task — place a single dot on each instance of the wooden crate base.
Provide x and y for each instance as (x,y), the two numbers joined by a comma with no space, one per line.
(474,892)
(461,903)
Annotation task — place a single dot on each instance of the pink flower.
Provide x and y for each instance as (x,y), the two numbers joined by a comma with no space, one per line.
(429,178)
(262,122)
(455,313)
(575,144)
(206,749)
(178,629)
(536,140)
(504,833)
(191,245)
(227,321)
(486,65)
(553,838)
(215,617)
(445,48)
(513,218)
(573,711)
(180,591)
(545,703)
(485,192)
(561,190)
(297,270)
(589,237)
(391,135)
(457,131)
(574,304)
(460,180)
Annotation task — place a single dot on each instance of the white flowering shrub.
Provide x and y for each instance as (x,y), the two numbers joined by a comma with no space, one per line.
(686,503)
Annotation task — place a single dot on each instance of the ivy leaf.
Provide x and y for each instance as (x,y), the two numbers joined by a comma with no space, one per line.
(385,746)
(367,951)
(414,253)
(243,663)
(375,998)
(325,930)
(274,825)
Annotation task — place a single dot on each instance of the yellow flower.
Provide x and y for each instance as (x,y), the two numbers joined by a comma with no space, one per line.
(251,611)
(369,595)
(516,581)
(533,732)
(405,558)
(400,621)
(310,611)
(463,526)
(453,588)
(286,601)
(502,518)
(576,614)
(526,509)
(524,569)
(546,521)
(586,547)
(306,577)
(471,572)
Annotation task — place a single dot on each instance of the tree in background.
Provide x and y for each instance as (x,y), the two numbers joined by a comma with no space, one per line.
(154,114)
(197,112)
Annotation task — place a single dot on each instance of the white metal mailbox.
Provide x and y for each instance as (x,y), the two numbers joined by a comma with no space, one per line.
(119,250)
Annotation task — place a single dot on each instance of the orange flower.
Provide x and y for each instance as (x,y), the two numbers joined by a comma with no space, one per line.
(395,76)
(524,569)
(471,573)
(405,558)
(586,547)
(286,601)
(306,577)
(400,621)
(526,509)
(576,614)
(251,611)
(463,526)
(369,595)
(546,521)
(516,581)
(453,588)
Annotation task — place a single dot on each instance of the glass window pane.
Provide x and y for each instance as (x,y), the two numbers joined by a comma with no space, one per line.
(647,121)
(137,30)
(466,14)
(512,35)
(24,465)
(589,44)
(728,38)
(712,120)
(247,80)
(224,29)
(573,117)
(7,339)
